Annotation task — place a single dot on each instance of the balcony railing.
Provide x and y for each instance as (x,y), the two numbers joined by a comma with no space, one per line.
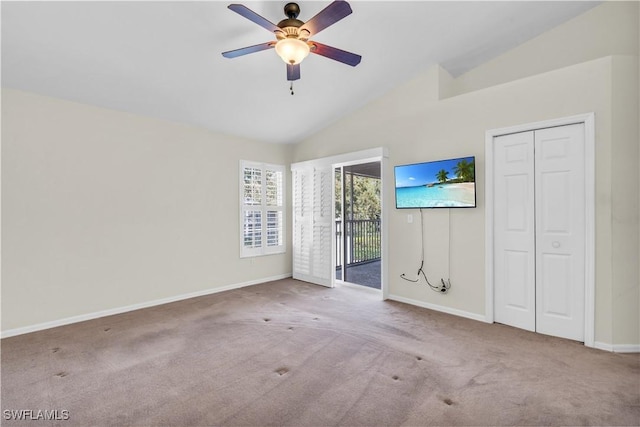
(362,241)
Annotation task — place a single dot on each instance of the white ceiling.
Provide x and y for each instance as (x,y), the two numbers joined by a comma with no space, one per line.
(163,59)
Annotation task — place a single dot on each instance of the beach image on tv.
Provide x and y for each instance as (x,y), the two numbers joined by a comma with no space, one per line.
(439,184)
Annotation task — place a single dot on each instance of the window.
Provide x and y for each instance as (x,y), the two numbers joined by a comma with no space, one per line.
(262,209)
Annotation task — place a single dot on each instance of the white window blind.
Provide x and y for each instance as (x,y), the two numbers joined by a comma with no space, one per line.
(262,210)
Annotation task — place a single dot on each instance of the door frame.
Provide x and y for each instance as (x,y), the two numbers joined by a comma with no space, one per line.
(380,154)
(588,120)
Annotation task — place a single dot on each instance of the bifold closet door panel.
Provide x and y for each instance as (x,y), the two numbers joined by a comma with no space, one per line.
(560,231)
(514,231)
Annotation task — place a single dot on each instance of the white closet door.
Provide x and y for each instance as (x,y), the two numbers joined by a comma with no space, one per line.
(560,231)
(539,226)
(312,228)
(514,222)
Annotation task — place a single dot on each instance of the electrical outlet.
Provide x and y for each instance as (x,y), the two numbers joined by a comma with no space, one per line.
(445,286)
(409,218)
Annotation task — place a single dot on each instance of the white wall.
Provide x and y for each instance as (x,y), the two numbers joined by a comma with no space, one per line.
(415,127)
(602,31)
(103,209)
(625,200)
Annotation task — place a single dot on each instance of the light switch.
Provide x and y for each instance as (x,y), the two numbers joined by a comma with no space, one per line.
(409,218)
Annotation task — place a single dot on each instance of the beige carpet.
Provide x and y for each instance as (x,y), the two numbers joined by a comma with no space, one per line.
(290,353)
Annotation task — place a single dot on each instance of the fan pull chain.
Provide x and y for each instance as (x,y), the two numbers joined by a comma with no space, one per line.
(291,88)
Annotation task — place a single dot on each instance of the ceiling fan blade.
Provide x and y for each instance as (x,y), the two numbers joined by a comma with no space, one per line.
(252,16)
(293,72)
(335,54)
(327,16)
(249,49)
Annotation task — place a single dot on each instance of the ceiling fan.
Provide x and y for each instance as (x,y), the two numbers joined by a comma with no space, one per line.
(292,42)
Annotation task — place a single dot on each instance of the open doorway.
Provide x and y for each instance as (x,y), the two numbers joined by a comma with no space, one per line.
(358,213)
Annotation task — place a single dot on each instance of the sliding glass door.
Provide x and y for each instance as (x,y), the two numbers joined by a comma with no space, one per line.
(357,215)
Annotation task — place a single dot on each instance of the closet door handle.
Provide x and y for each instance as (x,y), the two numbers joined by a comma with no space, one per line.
(555,244)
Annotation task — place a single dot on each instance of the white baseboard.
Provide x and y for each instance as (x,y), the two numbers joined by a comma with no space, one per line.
(110,312)
(618,348)
(441,308)
(615,348)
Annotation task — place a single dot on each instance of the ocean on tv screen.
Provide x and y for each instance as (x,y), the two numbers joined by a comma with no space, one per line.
(457,195)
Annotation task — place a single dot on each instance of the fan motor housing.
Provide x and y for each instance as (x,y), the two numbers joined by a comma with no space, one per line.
(291,25)
(290,22)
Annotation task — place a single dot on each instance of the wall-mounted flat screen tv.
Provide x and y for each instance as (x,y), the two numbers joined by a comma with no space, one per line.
(439,184)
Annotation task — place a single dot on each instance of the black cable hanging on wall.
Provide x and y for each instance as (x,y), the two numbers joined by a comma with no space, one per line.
(444,288)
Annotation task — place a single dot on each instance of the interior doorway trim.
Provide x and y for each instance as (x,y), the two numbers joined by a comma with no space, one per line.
(380,154)
(588,120)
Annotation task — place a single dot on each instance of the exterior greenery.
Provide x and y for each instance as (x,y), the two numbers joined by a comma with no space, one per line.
(364,227)
(366,197)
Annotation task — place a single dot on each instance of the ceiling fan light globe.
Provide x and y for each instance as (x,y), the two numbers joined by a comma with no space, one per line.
(292,51)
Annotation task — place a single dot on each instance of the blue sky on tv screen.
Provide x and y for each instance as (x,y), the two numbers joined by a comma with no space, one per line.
(425,173)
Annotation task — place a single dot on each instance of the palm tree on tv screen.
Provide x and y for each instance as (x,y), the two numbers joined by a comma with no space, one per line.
(442,175)
(465,171)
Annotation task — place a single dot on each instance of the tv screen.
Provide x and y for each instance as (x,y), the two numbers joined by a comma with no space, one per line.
(439,184)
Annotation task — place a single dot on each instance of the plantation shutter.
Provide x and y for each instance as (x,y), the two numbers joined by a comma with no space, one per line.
(262,210)
(312,224)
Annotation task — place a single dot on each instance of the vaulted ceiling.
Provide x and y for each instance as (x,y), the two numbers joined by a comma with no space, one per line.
(163,59)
